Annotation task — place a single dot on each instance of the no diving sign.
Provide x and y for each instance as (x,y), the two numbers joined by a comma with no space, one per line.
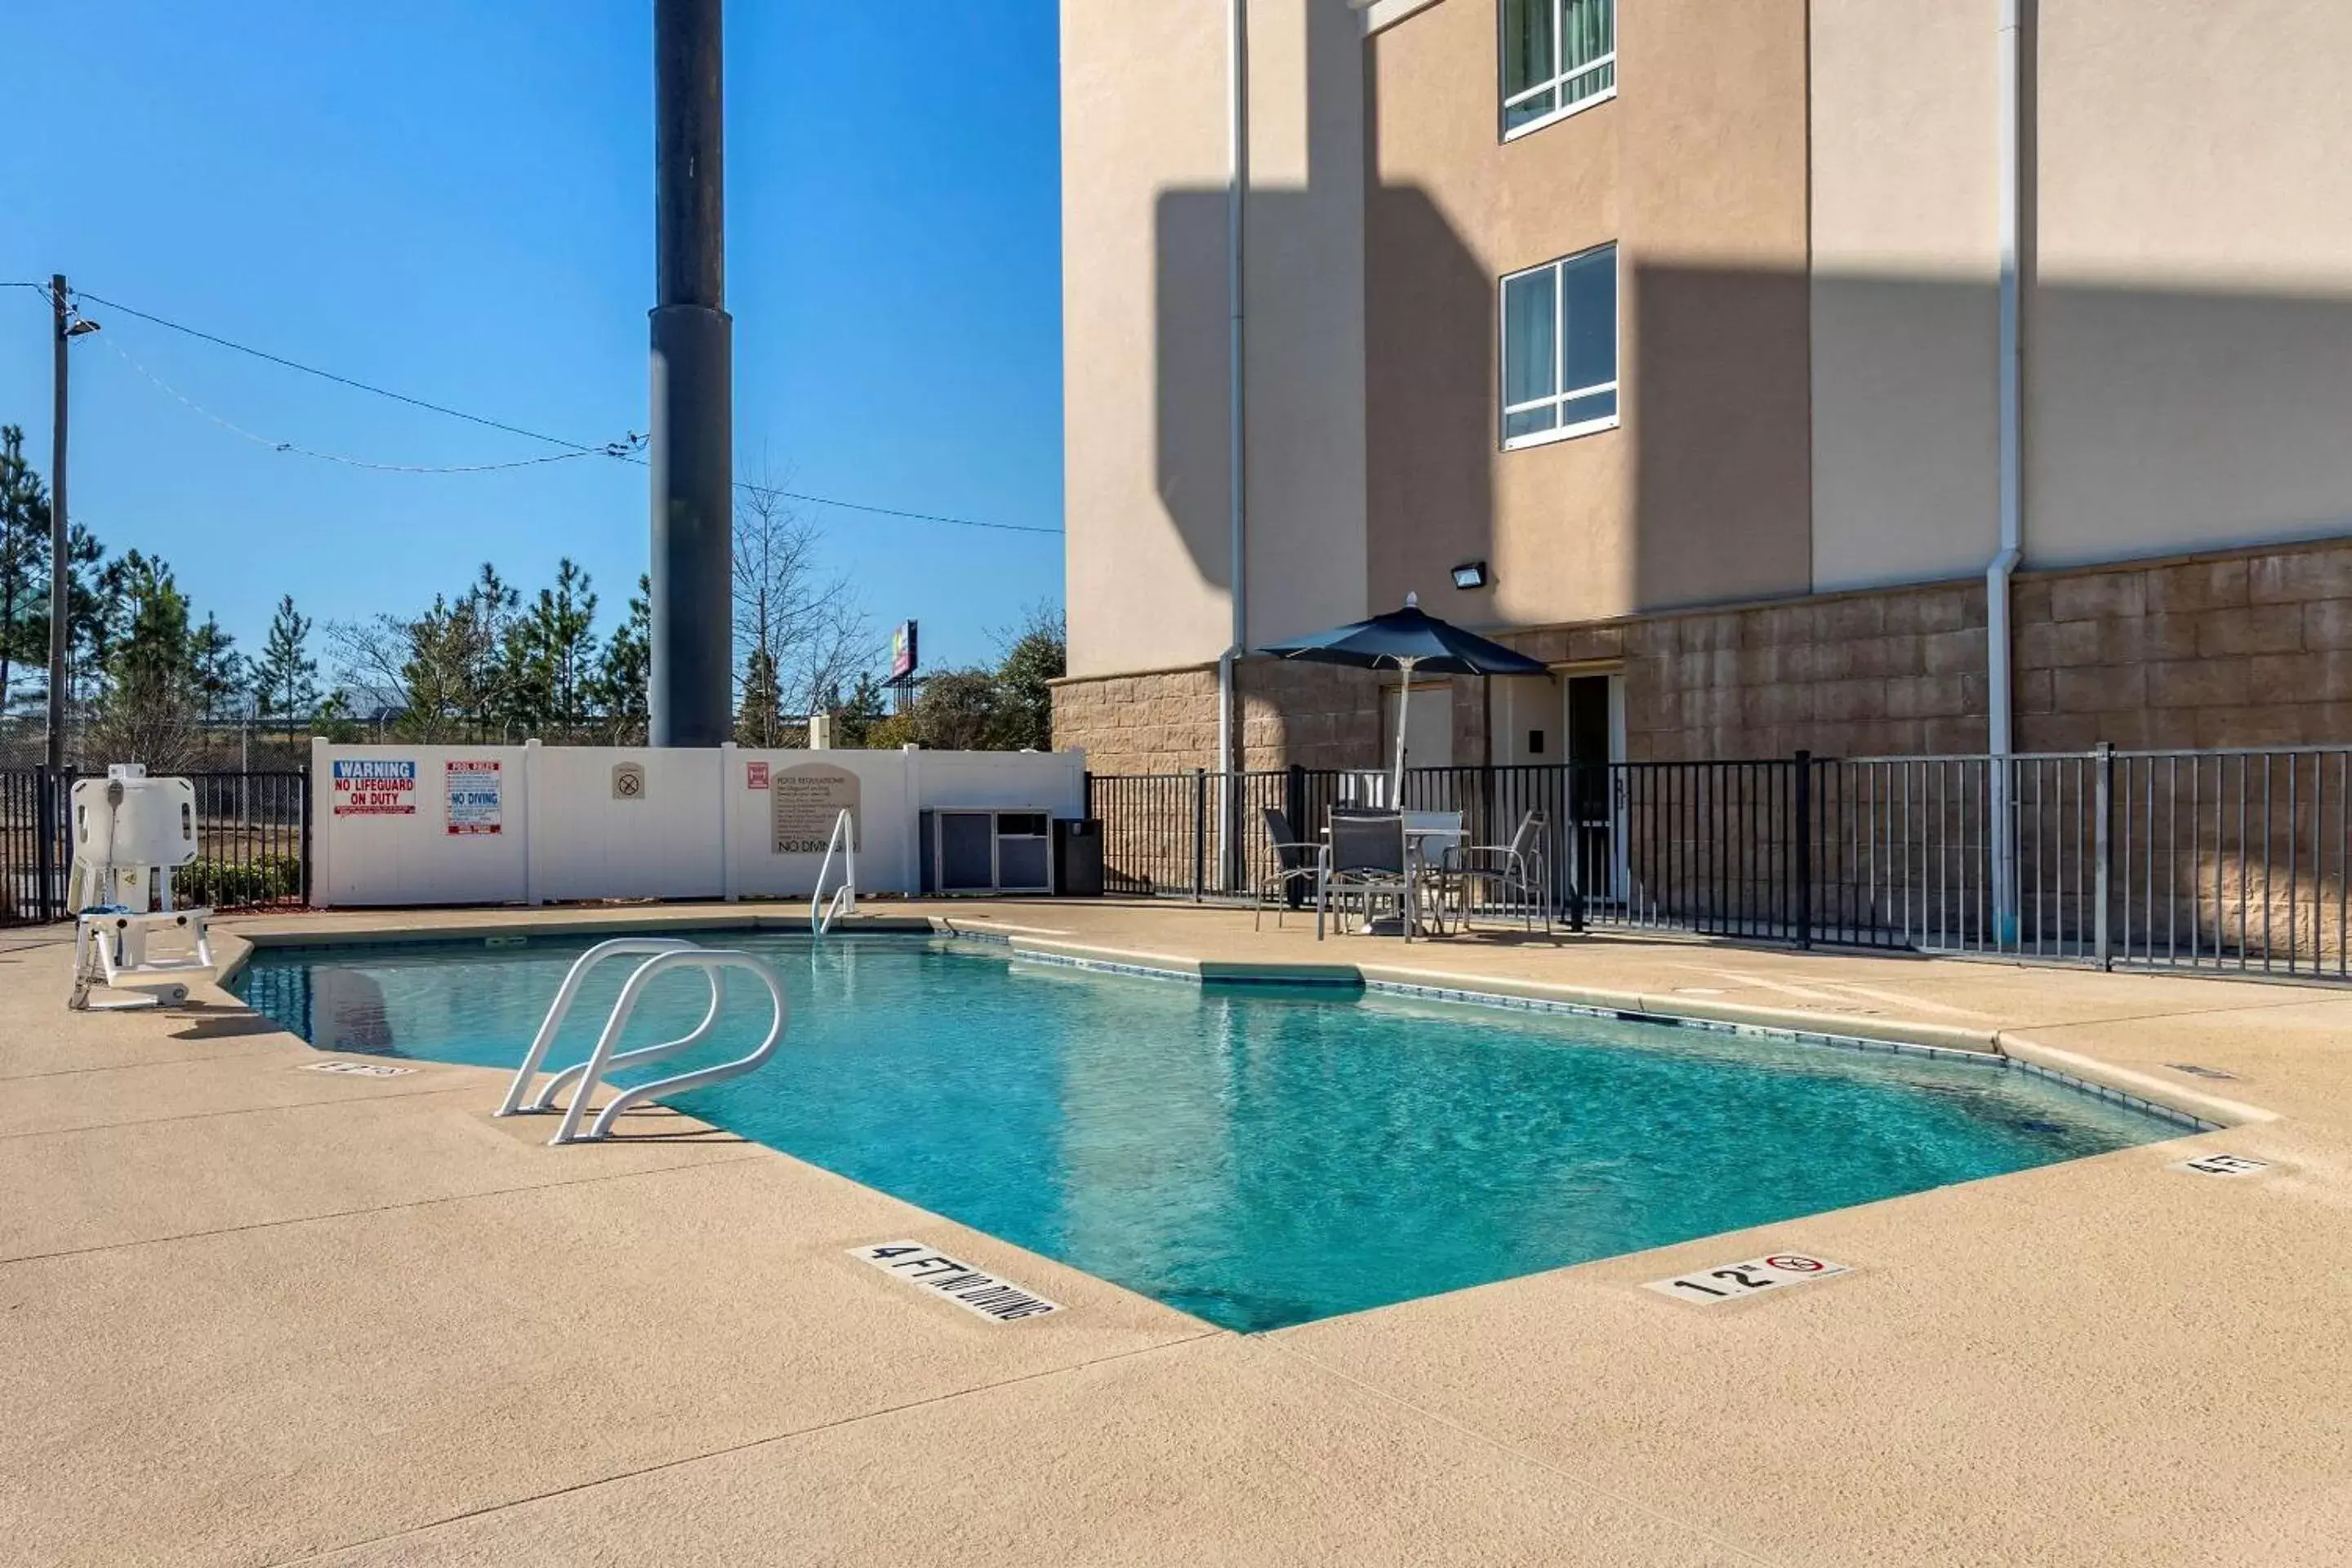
(1706,1287)
(998,1300)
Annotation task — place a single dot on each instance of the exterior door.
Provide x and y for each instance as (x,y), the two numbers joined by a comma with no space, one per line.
(1594,733)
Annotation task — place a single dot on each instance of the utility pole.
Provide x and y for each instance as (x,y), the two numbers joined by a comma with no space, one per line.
(693,455)
(58,563)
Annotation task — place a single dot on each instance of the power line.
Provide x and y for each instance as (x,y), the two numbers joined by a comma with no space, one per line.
(331,375)
(625,452)
(616,449)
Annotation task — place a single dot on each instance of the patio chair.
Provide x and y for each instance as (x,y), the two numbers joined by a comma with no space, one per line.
(1297,864)
(1431,836)
(1366,860)
(1503,869)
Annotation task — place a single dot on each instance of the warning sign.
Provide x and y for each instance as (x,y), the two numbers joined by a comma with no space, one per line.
(755,775)
(374,788)
(967,1287)
(475,797)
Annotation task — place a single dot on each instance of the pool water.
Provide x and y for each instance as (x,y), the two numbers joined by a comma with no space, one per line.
(1256,1155)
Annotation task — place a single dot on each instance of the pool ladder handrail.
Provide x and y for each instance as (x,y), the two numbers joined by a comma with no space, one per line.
(659,955)
(844,898)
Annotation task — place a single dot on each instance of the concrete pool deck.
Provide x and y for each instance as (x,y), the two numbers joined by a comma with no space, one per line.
(256,1314)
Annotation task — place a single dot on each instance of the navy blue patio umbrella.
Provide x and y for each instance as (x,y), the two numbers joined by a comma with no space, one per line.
(1409,640)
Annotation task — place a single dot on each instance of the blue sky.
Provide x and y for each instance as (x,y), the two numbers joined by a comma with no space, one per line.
(455,200)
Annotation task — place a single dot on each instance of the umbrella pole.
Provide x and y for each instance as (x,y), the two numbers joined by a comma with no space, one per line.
(1404,703)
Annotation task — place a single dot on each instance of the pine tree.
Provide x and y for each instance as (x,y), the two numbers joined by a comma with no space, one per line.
(558,635)
(215,667)
(619,691)
(760,719)
(285,680)
(24,558)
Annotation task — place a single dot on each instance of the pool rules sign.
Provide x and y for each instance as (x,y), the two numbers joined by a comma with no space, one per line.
(804,802)
(475,797)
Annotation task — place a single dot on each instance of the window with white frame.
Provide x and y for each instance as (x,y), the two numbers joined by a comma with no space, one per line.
(1558,56)
(1559,348)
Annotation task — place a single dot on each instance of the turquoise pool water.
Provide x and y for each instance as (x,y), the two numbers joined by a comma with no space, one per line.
(1255,1155)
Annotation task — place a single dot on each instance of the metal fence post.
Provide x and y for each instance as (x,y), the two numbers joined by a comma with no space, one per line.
(2103,851)
(1199,832)
(1087,786)
(302,808)
(1801,800)
(1574,839)
(45,816)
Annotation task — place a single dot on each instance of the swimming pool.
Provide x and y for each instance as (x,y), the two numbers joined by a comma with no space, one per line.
(1257,1155)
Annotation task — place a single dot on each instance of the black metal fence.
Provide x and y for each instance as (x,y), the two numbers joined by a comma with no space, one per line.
(252,835)
(2236,861)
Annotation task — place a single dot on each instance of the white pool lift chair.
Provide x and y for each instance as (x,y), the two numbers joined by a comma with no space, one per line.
(130,833)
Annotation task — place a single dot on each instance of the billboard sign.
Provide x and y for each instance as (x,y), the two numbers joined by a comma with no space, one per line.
(903,653)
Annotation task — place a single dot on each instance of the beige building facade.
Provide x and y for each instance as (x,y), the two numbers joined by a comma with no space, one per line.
(1676,329)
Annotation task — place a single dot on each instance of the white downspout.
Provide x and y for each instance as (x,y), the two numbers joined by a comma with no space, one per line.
(2009,376)
(1237,432)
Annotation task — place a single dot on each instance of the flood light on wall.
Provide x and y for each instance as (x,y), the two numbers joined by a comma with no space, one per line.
(1470,574)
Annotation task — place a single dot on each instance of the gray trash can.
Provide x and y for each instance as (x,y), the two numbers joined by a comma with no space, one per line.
(1078,857)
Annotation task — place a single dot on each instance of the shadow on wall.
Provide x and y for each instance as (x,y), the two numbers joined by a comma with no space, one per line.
(1325,373)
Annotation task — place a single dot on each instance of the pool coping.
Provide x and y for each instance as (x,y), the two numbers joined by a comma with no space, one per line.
(2192,1110)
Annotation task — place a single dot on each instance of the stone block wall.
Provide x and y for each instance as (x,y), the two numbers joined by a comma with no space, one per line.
(2243,648)
(1897,672)
(1317,715)
(2252,649)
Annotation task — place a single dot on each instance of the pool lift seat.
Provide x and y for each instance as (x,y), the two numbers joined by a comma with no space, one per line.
(130,833)
(656,955)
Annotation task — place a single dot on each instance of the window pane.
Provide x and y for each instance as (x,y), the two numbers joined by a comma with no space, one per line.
(1535,421)
(1589,294)
(1527,44)
(1581,410)
(1577,89)
(1535,108)
(1528,337)
(1588,31)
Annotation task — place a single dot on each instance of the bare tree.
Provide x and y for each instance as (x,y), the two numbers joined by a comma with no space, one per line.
(800,631)
(371,657)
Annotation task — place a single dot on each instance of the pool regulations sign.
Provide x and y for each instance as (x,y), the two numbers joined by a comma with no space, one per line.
(998,1300)
(365,787)
(476,799)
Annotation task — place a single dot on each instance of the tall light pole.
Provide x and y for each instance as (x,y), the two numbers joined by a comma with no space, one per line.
(66,326)
(693,454)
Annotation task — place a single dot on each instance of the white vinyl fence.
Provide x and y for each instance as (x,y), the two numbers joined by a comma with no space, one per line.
(530,824)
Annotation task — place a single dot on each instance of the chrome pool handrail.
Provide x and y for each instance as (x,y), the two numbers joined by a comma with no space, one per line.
(603,1057)
(844,898)
(565,995)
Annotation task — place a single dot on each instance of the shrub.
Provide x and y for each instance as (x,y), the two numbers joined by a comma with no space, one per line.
(228,884)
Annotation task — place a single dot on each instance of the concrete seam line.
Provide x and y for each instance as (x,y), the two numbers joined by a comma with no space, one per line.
(232,1110)
(2177,1013)
(794,1433)
(226,1056)
(374,1209)
(1541,1463)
